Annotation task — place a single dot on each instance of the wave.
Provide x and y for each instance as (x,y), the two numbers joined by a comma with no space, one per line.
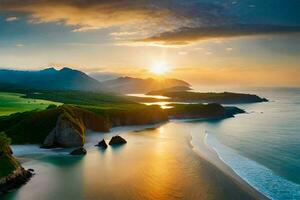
(22,150)
(258,176)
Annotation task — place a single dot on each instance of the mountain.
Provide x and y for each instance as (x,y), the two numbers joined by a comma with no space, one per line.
(104,76)
(126,84)
(70,79)
(49,79)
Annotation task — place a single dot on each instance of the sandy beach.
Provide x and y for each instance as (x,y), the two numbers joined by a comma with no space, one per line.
(157,163)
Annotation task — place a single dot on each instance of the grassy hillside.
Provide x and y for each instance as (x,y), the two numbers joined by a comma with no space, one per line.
(33,126)
(82,98)
(13,102)
(95,111)
(30,126)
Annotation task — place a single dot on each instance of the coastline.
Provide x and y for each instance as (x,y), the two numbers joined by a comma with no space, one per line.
(15,180)
(212,157)
(133,134)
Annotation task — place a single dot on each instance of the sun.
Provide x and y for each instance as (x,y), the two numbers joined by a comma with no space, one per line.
(159,68)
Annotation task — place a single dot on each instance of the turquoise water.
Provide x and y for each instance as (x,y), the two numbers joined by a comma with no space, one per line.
(262,147)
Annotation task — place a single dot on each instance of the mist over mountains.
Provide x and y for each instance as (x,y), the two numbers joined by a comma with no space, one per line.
(70,79)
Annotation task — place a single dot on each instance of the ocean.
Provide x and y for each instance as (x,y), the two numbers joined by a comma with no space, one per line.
(261,146)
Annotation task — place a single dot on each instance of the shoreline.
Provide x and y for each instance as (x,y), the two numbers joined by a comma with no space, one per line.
(209,155)
(204,153)
(15,180)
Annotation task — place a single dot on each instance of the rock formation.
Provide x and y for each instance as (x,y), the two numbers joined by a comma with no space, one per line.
(102,144)
(71,126)
(78,152)
(117,140)
(12,174)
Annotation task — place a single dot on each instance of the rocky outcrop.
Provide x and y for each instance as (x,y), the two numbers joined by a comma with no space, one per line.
(117,140)
(78,152)
(230,111)
(66,133)
(12,174)
(71,126)
(102,144)
(17,178)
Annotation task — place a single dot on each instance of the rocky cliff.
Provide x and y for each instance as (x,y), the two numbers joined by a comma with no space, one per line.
(12,174)
(66,125)
(72,124)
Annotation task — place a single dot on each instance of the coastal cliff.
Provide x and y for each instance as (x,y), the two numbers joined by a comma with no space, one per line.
(12,174)
(65,126)
(202,111)
(71,126)
(209,97)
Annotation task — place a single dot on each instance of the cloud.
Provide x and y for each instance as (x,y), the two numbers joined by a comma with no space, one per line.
(187,35)
(90,14)
(124,33)
(19,45)
(147,17)
(11,19)
(157,22)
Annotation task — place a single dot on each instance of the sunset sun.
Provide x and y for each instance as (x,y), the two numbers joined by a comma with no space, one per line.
(159,68)
(140,99)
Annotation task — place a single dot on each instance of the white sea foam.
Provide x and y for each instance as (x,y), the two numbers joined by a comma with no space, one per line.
(21,150)
(255,174)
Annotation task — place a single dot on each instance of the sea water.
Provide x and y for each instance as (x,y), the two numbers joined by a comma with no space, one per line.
(261,146)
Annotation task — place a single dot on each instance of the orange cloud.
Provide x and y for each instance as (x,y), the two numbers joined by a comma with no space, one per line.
(188,35)
(91,14)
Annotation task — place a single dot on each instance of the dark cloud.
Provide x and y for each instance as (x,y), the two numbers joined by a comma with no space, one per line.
(155,15)
(87,14)
(188,35)
(165,21)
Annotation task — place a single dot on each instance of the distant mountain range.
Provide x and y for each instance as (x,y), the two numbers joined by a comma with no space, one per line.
(50,79)
(70,79)
(137,85)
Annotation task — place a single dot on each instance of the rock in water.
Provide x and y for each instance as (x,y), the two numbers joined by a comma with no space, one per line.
(79,151)
(117,140)
(102,144)
(14,180)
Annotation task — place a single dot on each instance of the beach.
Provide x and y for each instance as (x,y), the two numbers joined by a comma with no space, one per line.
(233,158)
(155,164)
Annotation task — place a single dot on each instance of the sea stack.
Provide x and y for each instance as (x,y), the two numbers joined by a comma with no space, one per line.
(78,152)
(117,140)
(102,144)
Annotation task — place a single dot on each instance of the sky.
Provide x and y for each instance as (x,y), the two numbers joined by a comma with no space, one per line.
(205,42)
